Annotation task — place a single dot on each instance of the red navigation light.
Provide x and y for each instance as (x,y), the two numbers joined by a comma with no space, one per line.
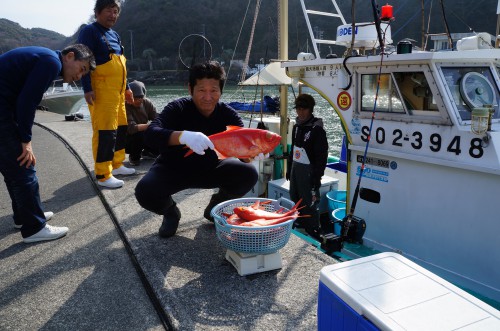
(386,13)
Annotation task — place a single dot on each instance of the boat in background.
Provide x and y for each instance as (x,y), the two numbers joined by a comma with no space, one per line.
(62,98)
(269,105)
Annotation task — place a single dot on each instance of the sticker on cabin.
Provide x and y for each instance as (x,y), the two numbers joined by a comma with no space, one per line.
(344,100)
(371,173)
(355,126)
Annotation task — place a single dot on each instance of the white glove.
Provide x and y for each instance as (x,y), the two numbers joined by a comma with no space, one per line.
(261,157)
(197,141)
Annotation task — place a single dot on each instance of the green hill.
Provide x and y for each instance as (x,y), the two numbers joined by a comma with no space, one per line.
(152,30)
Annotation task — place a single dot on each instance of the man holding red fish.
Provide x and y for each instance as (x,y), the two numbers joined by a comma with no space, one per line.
(187,122)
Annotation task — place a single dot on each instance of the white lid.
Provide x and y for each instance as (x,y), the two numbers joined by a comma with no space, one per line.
(396,294)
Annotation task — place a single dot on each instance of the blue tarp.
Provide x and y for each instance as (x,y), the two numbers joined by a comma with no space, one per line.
(271,105)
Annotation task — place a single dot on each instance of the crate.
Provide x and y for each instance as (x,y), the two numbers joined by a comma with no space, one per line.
(281,188)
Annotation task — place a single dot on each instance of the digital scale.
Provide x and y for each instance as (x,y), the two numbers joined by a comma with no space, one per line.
(247,264)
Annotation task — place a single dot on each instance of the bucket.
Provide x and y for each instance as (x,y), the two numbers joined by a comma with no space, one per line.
(336,199)
(338,215)
(404,47)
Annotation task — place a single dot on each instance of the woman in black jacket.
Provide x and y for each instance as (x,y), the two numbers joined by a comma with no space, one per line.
(307,162)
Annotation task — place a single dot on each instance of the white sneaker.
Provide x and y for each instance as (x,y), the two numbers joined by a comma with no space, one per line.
(123,170)
(111,182)
(48,216)
(47,233)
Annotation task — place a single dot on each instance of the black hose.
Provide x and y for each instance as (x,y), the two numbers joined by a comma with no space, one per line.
(128,247)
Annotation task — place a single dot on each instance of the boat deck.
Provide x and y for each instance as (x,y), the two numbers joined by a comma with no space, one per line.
(114,272)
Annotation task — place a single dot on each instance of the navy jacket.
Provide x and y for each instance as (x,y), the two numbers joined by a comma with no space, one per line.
(92,36)
(180,115)
(25,74)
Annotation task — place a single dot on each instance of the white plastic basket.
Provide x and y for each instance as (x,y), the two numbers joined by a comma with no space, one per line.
(252,240)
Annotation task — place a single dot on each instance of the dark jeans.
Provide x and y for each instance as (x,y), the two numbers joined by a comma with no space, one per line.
(300,187)
(22,182)
(135,145)
(154,190)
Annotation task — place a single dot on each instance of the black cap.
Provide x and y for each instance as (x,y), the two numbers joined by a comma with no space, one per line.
(305,101)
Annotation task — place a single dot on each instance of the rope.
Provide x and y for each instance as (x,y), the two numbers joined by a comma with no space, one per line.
(238,39)
(247,57)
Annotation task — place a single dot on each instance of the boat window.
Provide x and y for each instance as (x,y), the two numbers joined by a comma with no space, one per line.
(416,93)
(472,87)
(388,100)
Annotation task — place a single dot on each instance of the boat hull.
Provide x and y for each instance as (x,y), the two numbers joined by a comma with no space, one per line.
(63,103)
(439,182)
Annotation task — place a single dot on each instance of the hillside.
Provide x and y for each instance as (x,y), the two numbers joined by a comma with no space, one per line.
(152,30)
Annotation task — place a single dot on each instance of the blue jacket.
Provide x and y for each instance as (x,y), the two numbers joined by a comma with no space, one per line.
(92,36)
(25,74)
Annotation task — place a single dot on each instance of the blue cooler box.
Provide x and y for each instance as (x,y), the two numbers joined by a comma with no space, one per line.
(386,291)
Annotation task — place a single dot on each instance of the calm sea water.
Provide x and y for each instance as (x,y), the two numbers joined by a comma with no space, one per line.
(160,96)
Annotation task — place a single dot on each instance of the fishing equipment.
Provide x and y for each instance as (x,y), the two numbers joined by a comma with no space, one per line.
(353,227)
(194,48)
(253,249)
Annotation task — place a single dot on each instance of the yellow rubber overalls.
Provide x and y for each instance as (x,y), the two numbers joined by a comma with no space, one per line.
(108,115)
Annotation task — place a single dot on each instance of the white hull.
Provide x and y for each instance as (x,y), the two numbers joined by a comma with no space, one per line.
(439,183)
(63,99)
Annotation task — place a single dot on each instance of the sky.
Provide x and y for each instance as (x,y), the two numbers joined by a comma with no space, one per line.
(63,16)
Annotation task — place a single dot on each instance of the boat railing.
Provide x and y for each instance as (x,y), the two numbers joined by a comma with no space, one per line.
(314,37)
(59,86)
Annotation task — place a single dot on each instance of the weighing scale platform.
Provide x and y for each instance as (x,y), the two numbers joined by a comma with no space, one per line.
(247,264)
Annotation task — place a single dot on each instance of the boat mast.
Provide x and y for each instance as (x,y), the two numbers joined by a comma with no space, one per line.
(497,42)
(247,57)
(423,25)
(283,56)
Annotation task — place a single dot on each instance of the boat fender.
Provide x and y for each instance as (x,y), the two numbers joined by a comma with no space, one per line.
(302,56)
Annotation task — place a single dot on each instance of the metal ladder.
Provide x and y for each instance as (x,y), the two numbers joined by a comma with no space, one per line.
(314,40)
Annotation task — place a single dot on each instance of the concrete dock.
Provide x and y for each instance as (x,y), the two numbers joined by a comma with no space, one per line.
(113,272)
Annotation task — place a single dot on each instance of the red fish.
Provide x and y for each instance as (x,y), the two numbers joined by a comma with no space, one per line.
(249,213)
(243,143)
(274,221)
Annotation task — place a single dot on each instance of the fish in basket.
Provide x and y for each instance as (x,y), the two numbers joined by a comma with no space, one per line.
(255,239)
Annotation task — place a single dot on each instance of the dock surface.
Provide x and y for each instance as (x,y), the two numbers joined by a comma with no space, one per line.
(113,272)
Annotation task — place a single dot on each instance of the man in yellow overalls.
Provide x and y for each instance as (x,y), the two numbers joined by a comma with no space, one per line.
(105,92)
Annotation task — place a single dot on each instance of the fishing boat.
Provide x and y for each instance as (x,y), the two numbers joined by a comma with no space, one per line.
(63,98)
(423,137)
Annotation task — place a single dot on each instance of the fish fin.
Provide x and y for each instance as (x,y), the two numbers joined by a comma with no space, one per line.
(220,156)
(233,127)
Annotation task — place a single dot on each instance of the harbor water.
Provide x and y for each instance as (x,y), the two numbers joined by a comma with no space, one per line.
(160,96)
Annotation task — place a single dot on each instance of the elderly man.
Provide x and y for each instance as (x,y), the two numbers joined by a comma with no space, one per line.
(139,113)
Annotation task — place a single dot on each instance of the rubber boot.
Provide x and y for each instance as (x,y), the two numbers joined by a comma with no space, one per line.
(217,198)
(171,219)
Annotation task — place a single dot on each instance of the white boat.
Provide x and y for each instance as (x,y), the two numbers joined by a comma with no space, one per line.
(63,98)
(424,130)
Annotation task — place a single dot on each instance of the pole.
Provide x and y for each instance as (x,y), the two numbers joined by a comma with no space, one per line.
(283,55)
(131,45)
